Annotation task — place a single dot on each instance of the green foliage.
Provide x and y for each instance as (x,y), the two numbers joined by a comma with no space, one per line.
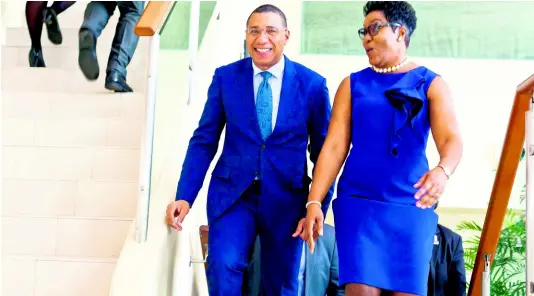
(508,269)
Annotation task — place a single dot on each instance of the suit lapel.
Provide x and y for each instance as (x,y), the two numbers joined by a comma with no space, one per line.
(290,85)
(245,94)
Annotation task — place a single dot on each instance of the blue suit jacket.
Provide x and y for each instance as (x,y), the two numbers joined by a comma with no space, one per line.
(321,275)
(447,267)
(280,161)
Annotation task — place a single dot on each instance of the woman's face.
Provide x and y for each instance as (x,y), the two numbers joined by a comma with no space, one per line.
(383,41)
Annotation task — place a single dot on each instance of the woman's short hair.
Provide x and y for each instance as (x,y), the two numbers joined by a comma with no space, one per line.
(400,12)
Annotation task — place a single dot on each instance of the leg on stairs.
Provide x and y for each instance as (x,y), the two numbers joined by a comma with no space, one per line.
(34,20)
(52,24)
(96,17)
(123,46)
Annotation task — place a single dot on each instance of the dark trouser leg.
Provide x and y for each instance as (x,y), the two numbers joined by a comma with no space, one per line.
(97,15)
(230,240)
(280,259)
(60,6)
(95,18)
(125,41)
(52,24)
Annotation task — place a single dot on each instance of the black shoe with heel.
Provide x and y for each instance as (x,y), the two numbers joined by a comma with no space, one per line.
(36,58)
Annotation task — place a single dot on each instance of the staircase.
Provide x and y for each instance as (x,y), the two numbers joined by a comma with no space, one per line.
(70,162)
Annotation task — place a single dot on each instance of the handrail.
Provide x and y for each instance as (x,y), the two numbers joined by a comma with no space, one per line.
(153,18)
(504,180)
(527,86)
(150,24)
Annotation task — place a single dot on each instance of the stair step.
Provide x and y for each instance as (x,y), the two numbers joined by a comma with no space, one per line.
(21,37)
(20,104)
(63,258)
(48,80)
(56,276)
(87,200)
(70,18)
(64,236)
(62,57)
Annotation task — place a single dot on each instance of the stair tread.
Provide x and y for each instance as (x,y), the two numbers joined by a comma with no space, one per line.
(6,94)
(64,258)
(21,37)
(59,80)
(65,58)
(69,217)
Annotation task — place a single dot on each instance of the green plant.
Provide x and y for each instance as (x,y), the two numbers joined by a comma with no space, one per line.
(508,268)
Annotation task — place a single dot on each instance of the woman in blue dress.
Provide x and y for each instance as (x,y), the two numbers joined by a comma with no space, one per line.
(384,210)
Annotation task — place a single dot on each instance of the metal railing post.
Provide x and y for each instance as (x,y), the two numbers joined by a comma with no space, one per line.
(147,141)
(529,135)
(486,277)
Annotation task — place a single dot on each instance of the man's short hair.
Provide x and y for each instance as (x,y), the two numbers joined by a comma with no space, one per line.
(269,8)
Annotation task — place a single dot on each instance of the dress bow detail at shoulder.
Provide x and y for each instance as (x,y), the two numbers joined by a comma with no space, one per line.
(407,97)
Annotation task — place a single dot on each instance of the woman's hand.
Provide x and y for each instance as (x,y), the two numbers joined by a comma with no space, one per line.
(313,225)
(431,186)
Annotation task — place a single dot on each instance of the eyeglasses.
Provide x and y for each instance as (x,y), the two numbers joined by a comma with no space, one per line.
(271,31)
(373,29)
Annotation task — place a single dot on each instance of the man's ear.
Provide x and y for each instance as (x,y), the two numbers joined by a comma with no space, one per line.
(287,35)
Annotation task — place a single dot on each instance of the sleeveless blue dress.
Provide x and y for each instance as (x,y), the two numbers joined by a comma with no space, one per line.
(383,239)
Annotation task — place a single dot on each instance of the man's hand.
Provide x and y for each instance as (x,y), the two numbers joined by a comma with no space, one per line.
(313,225)
(177,209)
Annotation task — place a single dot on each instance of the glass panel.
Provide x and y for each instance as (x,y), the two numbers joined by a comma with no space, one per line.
(176,35)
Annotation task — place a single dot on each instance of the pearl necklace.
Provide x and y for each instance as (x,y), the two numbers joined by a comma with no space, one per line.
(390,69)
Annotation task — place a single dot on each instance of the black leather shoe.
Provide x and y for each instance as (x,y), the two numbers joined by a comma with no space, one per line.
(87,59)
(36,58)
(117,83)
(52,26)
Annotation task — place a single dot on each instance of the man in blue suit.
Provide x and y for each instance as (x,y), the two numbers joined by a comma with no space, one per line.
(318,272)
(271,107)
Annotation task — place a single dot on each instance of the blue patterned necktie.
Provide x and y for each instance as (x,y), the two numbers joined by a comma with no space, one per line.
(264,105)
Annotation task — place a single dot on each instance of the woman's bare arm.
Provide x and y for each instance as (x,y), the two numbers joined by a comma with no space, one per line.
(336,145)
(444,125)
(448,142)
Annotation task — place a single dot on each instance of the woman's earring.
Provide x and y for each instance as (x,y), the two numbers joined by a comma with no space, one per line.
(399,39)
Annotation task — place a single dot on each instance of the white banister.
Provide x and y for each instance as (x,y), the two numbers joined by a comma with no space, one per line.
(147,141)
(194,23)
(529,133)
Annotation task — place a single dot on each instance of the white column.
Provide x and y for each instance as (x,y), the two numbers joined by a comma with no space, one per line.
(3,23)
(194,22)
